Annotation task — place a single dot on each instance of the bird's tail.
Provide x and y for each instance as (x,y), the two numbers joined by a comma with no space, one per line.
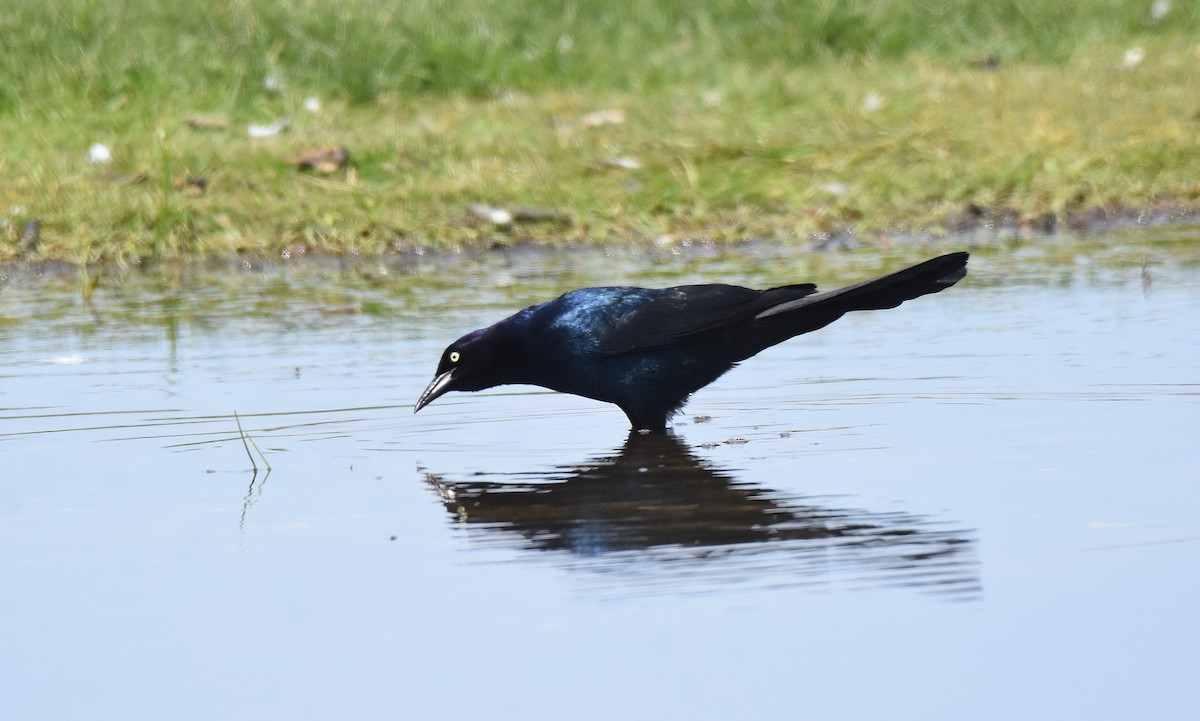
(886,291)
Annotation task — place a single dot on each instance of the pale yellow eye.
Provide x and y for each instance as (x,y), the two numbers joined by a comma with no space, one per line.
(454,356)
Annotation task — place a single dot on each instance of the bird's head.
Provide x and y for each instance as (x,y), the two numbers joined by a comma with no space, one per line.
(471,363)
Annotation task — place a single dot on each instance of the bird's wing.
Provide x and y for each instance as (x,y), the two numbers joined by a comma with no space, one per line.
(686,312)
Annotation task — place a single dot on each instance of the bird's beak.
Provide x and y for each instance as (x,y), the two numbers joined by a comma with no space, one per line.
(438,386)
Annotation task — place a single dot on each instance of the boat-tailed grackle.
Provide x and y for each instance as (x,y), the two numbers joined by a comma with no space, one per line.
(647,350)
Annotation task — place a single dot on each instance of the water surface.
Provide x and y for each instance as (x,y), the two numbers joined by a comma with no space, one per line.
(979,505)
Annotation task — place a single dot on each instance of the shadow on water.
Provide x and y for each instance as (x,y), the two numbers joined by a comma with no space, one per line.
(655,517)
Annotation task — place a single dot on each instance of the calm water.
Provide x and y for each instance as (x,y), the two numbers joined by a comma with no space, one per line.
(982,505)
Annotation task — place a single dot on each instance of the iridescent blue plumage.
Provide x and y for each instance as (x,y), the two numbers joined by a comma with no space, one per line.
(647,350)
(583,317)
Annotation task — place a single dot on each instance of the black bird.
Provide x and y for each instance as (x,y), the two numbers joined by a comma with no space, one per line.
(647,350)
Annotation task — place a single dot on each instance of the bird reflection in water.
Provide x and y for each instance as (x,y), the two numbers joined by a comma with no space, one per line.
(653,516)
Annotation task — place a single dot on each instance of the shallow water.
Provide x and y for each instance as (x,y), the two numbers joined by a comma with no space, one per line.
(980,505)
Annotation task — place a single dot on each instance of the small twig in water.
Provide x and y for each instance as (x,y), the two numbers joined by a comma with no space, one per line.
(261,455)
(246,445)
(247,441)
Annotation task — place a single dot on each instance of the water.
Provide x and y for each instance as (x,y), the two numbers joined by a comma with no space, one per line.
(980,505)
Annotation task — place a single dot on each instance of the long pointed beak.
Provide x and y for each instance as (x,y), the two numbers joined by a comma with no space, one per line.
(438,386)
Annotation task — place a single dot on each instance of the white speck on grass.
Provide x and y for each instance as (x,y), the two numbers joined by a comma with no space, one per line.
(622,162)
(1159,10)
(273,82)
(1133,58)
(99,154)
(266,131)
(497,216)
(602,117)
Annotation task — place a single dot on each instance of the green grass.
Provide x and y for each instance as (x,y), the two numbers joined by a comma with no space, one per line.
(747,118)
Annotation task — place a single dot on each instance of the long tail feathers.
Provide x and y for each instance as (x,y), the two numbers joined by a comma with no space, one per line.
(886,291)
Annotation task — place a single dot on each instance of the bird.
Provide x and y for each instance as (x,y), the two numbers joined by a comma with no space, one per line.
(647,350)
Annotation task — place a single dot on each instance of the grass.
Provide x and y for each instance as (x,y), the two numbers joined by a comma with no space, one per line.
(745,119)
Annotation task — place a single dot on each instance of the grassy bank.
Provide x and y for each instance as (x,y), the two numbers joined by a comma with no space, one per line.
(584,122)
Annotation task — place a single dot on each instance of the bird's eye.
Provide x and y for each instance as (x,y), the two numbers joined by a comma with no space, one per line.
(454,356)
